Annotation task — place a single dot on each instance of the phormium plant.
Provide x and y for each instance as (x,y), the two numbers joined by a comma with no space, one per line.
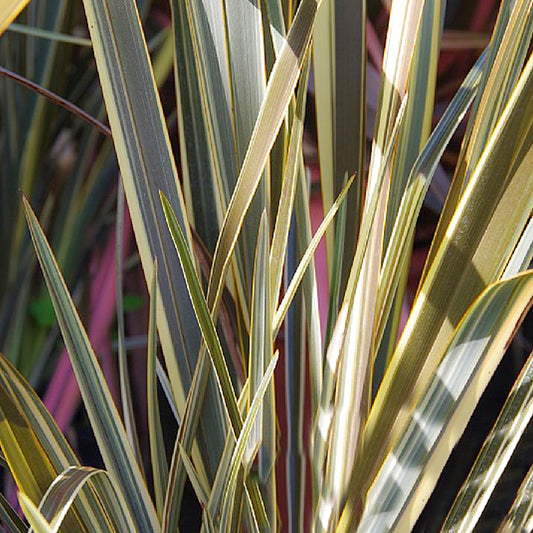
(227,252)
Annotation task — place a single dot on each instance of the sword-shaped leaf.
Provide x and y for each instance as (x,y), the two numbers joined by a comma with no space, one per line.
(109,431)
(157,442)
(281,84)
(240,446)
(495,454)
(484,231)
(147,166)
(519,516)
(411,469)
(210,336)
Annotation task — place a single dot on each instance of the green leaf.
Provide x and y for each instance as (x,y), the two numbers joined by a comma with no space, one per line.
(210,336)
(197,157)
(279,90)
(288,192)
(146,165)
(105,420)
(155,431)
(354,386)
(414,132)
(495,454)
(204,318)
(417,185)
(411,469)
(326,415)
(261,351)
(505,57)
(339,52)
(240,446)
(484,231)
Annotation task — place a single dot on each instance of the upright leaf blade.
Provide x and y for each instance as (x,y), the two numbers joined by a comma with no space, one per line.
(479,242)
(214,348)
(495,454)
(105,420)
(147,166)
(155,431)
(280,86)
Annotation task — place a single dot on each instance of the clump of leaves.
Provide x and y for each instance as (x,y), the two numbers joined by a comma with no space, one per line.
(241,71)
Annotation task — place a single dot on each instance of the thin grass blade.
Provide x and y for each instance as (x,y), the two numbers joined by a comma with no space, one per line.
(50,35)
(261,351)
(157,442)
(288,192)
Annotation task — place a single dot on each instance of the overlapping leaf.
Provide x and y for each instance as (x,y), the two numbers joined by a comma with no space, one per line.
(411,469)
(105,420)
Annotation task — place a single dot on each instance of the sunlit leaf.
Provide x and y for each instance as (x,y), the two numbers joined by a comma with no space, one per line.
(411,469)
(9,11)
(495,454)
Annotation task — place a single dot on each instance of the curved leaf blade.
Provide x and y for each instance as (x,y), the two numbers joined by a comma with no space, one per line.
(410,471)
(495,454)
